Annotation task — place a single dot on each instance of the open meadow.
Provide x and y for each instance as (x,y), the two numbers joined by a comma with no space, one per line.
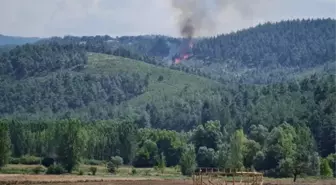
(23,174)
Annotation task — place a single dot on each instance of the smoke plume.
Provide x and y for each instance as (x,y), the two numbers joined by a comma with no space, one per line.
(199,16)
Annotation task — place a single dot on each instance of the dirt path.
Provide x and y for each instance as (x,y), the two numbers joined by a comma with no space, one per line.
(88,180)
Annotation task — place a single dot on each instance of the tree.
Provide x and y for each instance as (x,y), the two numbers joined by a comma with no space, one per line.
(5,144)
(146,154)
(117,161)
(188,160)
(250,150)
(326,170)
(114,163)
(128,144)
(206,157)
(70,145)
(236,150)
(208,134)
(161,163)
(304,152)
(221,156)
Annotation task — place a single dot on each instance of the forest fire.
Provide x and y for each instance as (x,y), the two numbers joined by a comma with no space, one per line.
(185,52)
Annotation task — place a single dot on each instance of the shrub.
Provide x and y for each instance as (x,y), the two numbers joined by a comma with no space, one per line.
(38,169)
(134,171)
(117,161)
(55,170)
(111,167)
(93,162)
(93,170)
(188,161)
(80,172)
(13,160)
(147,172)
(326,170)
(30,160)
(47,161)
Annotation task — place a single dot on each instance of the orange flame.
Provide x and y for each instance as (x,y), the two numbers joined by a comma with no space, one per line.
(184,55)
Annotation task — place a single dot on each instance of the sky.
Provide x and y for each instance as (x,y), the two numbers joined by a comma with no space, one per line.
(44,18)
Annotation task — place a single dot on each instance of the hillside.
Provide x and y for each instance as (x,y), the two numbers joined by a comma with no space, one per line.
(267,53)
(146,113)
(12,40)
(101,88)
(55,81)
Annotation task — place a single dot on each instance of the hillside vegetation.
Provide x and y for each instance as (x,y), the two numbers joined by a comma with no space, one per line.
(267,53)
(116,97)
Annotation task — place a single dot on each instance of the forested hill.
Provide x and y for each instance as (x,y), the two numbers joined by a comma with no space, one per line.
(55,81)
(139,111)
(12,40)
(267,53)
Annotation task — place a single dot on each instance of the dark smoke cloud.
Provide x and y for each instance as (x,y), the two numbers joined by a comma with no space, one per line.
(197,16)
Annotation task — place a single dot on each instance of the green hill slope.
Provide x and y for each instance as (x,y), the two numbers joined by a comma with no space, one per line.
(106,87)
(42,82)
(267,53)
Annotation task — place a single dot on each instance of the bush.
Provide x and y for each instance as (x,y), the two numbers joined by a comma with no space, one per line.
(326,170)
(134,171)
(93,162)
(30,160)
(13,160)
(47,161)
(38,169)
(93,170)
(80,172)
(55,170)
(117,161)
(111,167)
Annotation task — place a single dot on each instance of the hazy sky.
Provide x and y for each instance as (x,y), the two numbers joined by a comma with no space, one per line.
(134,17)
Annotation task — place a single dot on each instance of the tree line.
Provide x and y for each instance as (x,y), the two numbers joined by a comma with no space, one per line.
(283,151)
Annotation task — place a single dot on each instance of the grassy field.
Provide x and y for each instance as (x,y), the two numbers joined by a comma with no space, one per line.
(123,171)
(23,174)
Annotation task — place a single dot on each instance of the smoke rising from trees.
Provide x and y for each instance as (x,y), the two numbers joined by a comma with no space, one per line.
(200,16)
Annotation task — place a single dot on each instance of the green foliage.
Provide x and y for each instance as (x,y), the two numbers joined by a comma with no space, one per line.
(38,169)
(55,170)
(206,157)
(236,150)
(161,163)
(81,172)
(14,160)
(93,170)
(30,160)
(208,135)
(117,161)
(326,170)
(47,161)
(93,162)
(114,163)
(70,145)
(134,171)
(5,144)
(111,167)
(188,160)
(287,125)
(222,157)
(332,162)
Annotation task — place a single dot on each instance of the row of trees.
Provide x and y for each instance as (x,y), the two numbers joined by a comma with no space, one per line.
(283,151)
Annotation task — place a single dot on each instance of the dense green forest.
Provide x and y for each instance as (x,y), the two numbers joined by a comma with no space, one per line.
(271,108)
(267,53)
